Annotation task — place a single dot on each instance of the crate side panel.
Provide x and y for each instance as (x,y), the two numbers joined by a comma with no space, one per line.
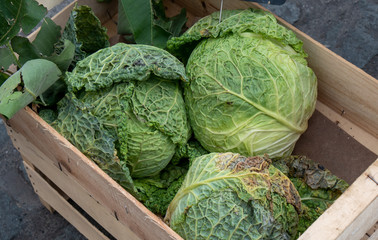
(110,194)
(326,143)
(53,198)
(61,177)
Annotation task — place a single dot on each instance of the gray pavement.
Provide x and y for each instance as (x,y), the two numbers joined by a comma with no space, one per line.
(347,27)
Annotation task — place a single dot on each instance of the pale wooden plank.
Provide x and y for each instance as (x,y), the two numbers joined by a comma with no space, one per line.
(105,190)
(341,86)
(352,214)
(370,233)
(374,236)
(47,206)
(71,188)
(53,198)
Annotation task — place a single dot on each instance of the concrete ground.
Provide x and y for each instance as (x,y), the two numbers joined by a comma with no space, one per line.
(347,27)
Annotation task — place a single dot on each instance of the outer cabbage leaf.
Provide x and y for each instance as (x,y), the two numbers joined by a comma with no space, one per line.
(6,59)
(149,120)
(146,149)
(47,37)
(228,196)
(124,63)
(109,105)
(317,186)
(233,22)
(88,134)
(84,29)
(158,191)
(189,151)
(3,77)
(160,103)
(248,94)
(136,141)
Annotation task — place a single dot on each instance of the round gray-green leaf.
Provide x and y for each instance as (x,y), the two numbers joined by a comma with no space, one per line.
(24,86)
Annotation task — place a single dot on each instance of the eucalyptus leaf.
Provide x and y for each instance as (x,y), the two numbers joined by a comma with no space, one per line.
(34,12)
(3,78)
(25,49)
(146,21)
(64,59)
(19,14)
(54,93)
(6,58)
(25,85)
(48,35)
(123,26)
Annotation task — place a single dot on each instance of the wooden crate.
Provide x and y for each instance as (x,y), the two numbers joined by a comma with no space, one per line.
(347,101)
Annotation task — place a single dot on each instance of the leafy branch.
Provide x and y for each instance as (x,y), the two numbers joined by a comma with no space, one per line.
(144,22)
(50,53)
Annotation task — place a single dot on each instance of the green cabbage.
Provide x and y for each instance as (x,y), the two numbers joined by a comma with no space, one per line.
(132,94)
(250,89)
(228,196)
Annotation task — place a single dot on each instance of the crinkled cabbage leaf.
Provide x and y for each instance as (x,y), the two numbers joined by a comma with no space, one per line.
(250,89)
(229,196)
(134,92)
(316,185)
(85,31)
(88,134)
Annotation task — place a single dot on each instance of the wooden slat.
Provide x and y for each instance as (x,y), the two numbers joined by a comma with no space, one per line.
(105,190)
(53,198)
(104,216)
(352,214)
(374,236)
(341,85)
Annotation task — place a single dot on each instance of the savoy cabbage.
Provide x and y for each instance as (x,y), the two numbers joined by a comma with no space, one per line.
(125,110)
(229,196)
(250,90)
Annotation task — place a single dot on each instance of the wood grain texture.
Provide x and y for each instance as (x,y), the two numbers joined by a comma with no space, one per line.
(68,186)
(352,214)
(53,198)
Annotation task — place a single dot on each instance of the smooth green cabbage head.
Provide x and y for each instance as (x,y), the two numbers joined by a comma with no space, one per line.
(228,196)
(250,88)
